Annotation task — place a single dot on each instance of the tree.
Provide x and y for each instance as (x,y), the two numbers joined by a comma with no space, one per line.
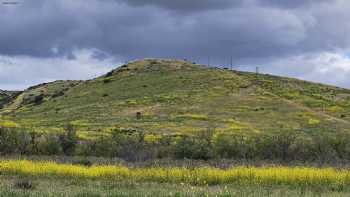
(69,140)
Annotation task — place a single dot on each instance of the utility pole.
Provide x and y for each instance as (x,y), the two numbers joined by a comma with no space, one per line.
(257,73)
(208,61)
(231,62)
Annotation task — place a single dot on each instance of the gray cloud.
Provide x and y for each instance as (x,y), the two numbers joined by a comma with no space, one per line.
(205,5)
(292,4)
(252,31)
(19,72)
(185,5)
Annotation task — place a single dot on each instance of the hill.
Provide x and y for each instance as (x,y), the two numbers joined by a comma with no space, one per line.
(174,96)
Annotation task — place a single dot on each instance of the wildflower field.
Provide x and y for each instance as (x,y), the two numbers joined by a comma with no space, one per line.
(334,179)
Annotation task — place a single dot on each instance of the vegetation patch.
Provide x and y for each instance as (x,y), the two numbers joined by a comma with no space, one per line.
(8,123)
(241,175)
(313,121)
(193,116)
(25,184)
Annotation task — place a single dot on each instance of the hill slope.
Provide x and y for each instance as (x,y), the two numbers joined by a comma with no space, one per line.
(172,96)
(7,96)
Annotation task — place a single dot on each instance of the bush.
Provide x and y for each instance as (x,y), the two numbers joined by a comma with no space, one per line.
(13,141)
(234,146)
(130,145)
(49,144)
(83,162)
(277,146)
(341,145)
(25,184)
(322,148)
(68,140)
(107,80)
(100,147)
(192,148)
(24,140)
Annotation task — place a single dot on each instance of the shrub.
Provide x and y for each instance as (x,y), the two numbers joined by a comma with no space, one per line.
(109,74)
(68,140)
(322,148)
(130,145)
(24,140)
(100,147)
(11,141)
(107,80)
(192,148)
(25,184)
(277,145)
(341,145)
(49,144)
(83,162)
(234,146)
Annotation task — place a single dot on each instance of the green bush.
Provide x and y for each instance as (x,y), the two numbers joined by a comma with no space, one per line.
(234,146)
(277,146)
(25,184)
(13,141)
(100,147)
(68,140)
(192,148)
(49,144)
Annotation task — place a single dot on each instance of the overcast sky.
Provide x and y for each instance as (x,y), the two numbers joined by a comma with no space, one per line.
(45,40)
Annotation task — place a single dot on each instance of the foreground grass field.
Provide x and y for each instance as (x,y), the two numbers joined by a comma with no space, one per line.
(45,178)
(94,188)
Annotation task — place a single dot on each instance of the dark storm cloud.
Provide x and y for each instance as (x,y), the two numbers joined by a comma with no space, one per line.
(251,31)
(186,5)
(204,5)
(135,28)
(36,27)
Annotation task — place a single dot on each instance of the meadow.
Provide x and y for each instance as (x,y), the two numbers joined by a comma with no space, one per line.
(83,188)
(64,179)
(335,179)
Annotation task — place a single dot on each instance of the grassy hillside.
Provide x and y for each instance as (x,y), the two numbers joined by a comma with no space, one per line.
(7,96)
(172,96)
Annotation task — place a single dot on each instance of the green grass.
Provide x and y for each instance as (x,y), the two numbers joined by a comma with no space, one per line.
(181,97)
(92,188)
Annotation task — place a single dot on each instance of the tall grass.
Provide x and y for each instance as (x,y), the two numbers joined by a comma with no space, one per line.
(241,175)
